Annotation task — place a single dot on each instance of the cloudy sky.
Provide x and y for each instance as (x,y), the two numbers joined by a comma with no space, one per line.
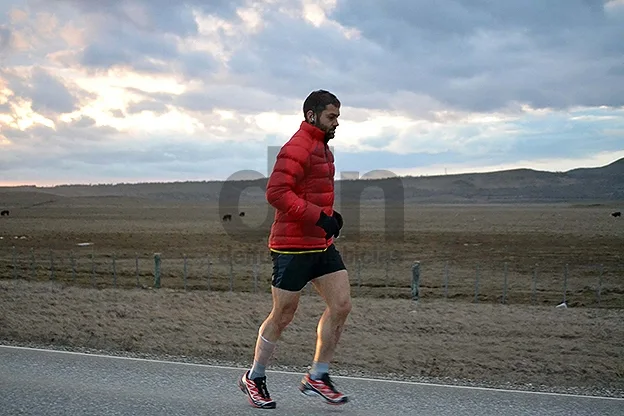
(95,91)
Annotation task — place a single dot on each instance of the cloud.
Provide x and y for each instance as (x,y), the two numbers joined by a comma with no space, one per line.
(160,16)
(153,106)
(40,91)
(234,97)
(119,46)
(5,39)
(49,94)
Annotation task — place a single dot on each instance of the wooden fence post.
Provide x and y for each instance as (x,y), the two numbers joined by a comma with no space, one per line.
(157,270)
(446,279)
(415,280)
(359,275)
(14,263)
(231,271)
(208,274)
(114,271)
(33,274)
(72,260)
(185,271)
(51,265)
(565,284)
(599,289)
(476,299)
(505,285)
(136,268)
(387,269)
(93,268)
(534,286)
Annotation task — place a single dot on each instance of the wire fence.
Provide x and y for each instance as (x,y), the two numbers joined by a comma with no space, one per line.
(383,274)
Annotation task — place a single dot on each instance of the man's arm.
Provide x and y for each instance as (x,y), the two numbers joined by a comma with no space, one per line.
(288,171)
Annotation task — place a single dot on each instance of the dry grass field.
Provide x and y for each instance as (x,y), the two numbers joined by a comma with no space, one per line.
(64,294)
(454,242)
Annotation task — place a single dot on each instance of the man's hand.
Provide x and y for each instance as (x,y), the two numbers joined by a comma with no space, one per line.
(330,225)
(338,218)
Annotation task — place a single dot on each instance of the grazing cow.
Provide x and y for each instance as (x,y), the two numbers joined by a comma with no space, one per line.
(227,217)
(5,212)
(616,214)
(242,214)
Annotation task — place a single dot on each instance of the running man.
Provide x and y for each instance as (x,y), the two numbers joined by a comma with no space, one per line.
(301,189)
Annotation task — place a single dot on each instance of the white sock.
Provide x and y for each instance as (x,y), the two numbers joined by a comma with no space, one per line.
(260,362)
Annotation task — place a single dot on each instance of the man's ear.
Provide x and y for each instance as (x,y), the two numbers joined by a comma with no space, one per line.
(311,117)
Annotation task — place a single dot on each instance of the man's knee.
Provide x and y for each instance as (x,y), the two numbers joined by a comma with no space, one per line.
(341,306)
(284,314)
(285,318)
(336,290)
(340,303)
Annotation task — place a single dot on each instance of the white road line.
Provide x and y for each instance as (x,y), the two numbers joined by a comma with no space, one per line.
(376,380)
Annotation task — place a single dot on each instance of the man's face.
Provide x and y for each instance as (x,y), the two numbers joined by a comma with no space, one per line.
(328,121)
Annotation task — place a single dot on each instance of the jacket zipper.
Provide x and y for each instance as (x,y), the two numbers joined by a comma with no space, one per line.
(327,160)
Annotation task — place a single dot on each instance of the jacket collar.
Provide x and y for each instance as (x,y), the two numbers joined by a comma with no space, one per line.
(315,132)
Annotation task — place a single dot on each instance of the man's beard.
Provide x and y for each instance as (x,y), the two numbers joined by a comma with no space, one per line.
(329,134)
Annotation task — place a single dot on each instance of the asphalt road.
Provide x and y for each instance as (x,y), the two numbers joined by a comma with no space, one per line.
(45,383)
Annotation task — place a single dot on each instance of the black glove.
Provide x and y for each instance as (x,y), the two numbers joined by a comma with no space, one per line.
(338,218)
(329,224)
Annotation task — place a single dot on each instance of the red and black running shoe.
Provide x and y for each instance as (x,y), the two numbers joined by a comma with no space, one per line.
(324,388)
(256,391)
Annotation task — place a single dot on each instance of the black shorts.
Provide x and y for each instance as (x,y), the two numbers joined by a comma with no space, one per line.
(293,271)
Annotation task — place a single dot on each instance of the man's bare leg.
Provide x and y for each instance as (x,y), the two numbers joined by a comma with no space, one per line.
(285,305)
(336,291)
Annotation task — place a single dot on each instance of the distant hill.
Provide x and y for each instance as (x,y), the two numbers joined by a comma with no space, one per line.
(509,186)
(615,168)
(517,185)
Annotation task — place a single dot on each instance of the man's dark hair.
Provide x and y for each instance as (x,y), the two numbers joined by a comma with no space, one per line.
(318,100)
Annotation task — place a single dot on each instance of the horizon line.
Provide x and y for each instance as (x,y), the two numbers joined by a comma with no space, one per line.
(264,177)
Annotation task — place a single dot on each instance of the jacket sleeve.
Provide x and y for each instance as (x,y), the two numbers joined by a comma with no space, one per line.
(289,170)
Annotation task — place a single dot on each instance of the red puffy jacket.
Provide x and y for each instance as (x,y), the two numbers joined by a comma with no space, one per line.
(300,186)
